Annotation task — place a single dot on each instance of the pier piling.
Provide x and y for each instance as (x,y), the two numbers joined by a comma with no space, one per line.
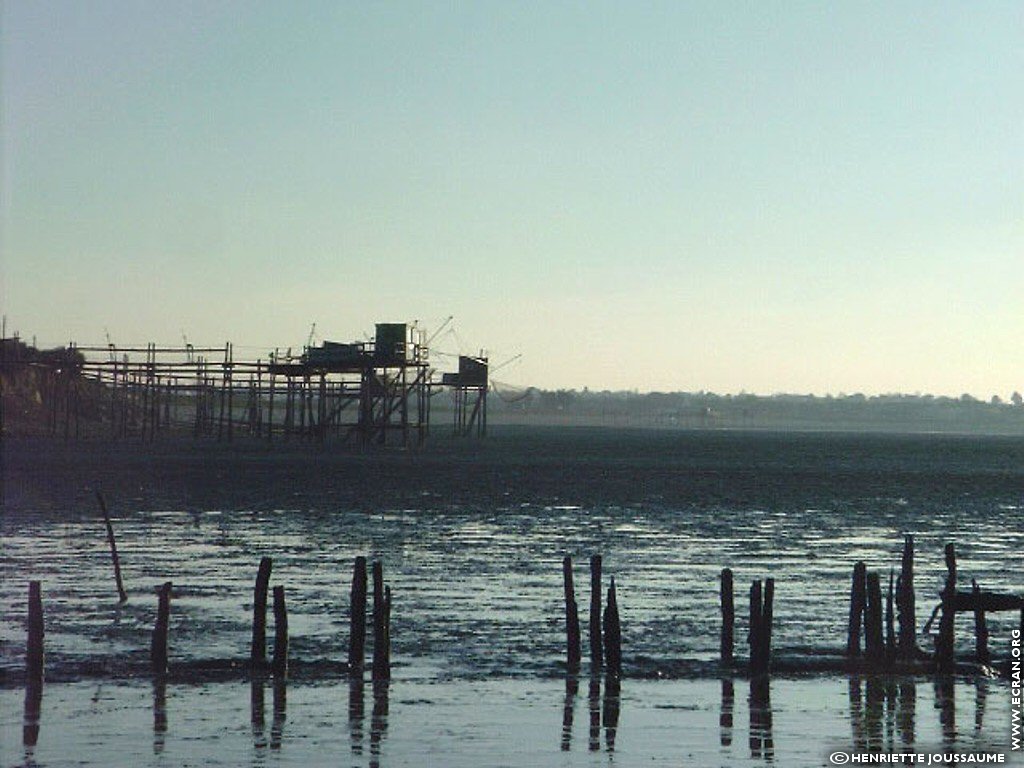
(357,620)
(613,633)
(572,619)
(122,595)
(34,650)
(280,663)
(258,655)
(857,604)
(728,617)
(596,645)
(158,648)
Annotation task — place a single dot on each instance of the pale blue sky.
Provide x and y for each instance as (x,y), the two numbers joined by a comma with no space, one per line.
(801,197)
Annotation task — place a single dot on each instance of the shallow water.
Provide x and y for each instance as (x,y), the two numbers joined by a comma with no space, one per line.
(472,537)
(504,723)
(472,540)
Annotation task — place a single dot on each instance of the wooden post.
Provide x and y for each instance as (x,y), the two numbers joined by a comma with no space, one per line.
(34,648)
(258,656)
(944,648)
(572,619)
(113,548)
(980,628)
(890,623)
(280,663)
(381,670)
(596,646)
(158,649)
(613,633)
(874,644)
(357,620)
(905,602)
(857,603)
(754,636)
(387,631)
(728,617)
(767,612)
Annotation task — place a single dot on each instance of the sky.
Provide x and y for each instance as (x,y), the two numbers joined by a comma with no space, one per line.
(761,196)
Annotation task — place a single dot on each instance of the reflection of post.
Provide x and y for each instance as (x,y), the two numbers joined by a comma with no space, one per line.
(280,704)
(856,714)
(159,714)
(356,713)
(378,719)
(572,686)
(907,707)
(612,690)
(594,705)
(33,708)
(980,696)
(873,711)
(762,743)
(725,718)
(889,691)
(257,707)
(946,701)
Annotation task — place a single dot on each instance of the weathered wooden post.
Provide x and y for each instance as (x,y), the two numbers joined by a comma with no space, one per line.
(387,630)
(613,633)
(874,643)
(890,623)
(280,663)
(34,650)
(596,646)
(905,602)
(945,646)
(754,636)
(572,619)
(381,671)
(857,603)
(357,621)
(981,653)
(767,612)
(728,617)
(258,656)
(113,548)
(158,648)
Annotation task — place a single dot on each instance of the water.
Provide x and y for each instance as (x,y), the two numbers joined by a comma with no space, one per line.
(472,538)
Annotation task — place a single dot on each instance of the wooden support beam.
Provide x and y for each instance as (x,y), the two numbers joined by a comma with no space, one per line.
(572,619)
(258,655)
(357,619)
(728,617)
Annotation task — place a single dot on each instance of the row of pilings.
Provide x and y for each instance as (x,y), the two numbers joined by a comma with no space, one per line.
(872,619)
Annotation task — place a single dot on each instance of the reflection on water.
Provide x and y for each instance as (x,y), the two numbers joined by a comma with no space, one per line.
(762,742)
(906,709)
(725,718)
(602,711)
(612,691)
(980,701)
(280,704)
(159,714)
(33,711)
(945,701)
(378,719)
(257,703)
(356,713)
(594,705)
(572,687)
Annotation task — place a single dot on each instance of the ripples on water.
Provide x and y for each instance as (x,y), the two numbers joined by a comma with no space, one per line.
(472,541)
